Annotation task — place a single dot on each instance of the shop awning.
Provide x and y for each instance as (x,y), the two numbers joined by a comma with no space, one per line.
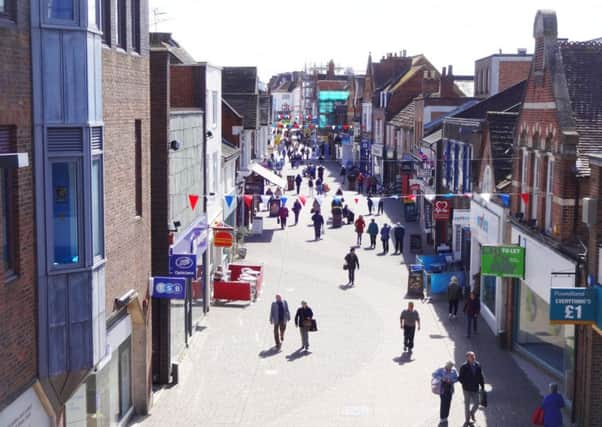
(269,175)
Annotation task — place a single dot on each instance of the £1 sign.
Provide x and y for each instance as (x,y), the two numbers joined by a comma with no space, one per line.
(441,210)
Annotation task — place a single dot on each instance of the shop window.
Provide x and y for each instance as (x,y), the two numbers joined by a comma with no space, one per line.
(65,212)
(488,285)
(97,208)
(63,10)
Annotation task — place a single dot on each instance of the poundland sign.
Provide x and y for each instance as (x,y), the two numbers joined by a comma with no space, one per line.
(503,261)
(573,306)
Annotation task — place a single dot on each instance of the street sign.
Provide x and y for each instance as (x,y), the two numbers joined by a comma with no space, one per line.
(168,287)
(503,261)
(222,238)
(182,265)
(573,306)
(441,210)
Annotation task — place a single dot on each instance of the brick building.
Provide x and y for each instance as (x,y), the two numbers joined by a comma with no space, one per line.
(558,127)
(498,72)
(19,390)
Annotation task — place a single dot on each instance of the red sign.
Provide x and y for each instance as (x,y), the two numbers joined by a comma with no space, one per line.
(222,239)
(441,210)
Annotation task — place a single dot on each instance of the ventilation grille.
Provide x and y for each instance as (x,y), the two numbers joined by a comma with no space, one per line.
(62,140)
(96,138)
(5,139)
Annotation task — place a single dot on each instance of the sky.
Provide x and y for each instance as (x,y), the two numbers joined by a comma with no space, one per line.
(278,36)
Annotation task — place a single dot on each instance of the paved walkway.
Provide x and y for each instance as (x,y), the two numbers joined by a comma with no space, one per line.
(355,374)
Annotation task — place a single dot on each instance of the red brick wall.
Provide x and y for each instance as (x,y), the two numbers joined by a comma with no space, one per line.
(187,87)
(18,306)
(228,120)
(512,72)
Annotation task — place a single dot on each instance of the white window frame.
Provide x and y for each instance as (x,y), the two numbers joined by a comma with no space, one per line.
(535,194)
(549,194)
(523,179)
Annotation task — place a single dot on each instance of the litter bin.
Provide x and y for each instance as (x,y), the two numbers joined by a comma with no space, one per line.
(290,180)
(337,217)
(351,182)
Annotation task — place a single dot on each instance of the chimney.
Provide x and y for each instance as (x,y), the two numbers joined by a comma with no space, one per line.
(430,84)
(330,72)
(405,53)
(521,51)
(545,32)
(446,88)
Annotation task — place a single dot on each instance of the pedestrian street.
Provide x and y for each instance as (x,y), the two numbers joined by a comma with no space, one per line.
(355,372)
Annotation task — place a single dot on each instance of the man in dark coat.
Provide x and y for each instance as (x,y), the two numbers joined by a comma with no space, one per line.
(283,214)
(472,309)
(471,377)
(399,232)
(352,262)
(321,172)
(279,315)
(298,181)
(296,209)
(318,221)
(370,204)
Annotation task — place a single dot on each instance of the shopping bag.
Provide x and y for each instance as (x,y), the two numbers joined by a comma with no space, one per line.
(483,398)
(537,417)
(345,266)
(314,326)
(436,386)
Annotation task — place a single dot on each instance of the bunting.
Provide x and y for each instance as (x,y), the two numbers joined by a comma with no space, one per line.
(193,200)
(303,200)
(248,199)
(525,197)
(229,199)
(265,199)
(283,200)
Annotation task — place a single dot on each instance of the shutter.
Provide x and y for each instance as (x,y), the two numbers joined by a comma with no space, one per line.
(61,140)
(5,139)
(96,139)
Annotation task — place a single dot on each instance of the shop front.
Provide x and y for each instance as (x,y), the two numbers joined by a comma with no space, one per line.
(487,228)
(549,346)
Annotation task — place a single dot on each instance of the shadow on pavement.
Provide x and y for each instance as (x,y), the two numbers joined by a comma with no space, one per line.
(405,357)
(345,287)
(265,237)
(273,351)
(297,354)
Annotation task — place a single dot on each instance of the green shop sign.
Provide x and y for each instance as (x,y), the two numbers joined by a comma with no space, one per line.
(503,261)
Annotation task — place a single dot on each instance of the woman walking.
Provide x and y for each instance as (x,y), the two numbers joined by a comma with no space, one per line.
(360,224)
(303,322)
(552,407)
(446,376)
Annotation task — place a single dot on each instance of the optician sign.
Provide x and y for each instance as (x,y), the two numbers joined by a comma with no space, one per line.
(573,306)
(503,261)
(168,287)
(182,265)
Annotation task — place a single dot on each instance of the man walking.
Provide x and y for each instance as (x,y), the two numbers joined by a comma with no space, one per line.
(283,214)
(296,209)
(360,182)
(409,320)
(303,319)
(471,377)
(318,221)
(380,207)
(298,181)
(279,315)
(385,234)
(352,262)
(373,232)
(321,172)
(370,205)
(453,296)
(472,309)
(399,232)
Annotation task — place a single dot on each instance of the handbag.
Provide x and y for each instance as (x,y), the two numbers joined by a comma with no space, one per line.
(537,417)
(483,398)
(436,386)
(314,326)
(345,266)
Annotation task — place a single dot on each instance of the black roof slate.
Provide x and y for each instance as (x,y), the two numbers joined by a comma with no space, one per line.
(237,80)
(247,106)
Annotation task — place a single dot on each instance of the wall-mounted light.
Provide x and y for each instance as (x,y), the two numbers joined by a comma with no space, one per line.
(175,145)
(176,225)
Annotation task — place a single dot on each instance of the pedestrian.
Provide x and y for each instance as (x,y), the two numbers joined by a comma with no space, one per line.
(385,234)
(318,221)
(373,232)
(471,378)
(380,206)
(278,192)
(345,211)
(447,376)
(454,292)
(279,316)
(283,215)
(303,322)
(321,172)
(409,320)
(472,309)
(552,405)
(360,224)
(296,209)
(360,182)
(310,184)
(399,232)
(351,263)
(298,181)
(319,186)
(370,204)
(343,173)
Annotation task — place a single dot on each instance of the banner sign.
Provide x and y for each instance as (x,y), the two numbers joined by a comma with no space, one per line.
(182,265)
(503,261)
(573,306)
(168,287)
(441,210)
(222,238)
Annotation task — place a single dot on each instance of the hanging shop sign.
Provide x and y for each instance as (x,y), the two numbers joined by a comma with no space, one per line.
(222,238)
(573,306)
(182,265)
(503,261)
(441,210)
(168,287)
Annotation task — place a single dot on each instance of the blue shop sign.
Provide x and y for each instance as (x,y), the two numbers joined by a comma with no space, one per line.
(169,287)
(182,265)
(573,306)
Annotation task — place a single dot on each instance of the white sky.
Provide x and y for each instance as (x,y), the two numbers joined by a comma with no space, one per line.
(279,36)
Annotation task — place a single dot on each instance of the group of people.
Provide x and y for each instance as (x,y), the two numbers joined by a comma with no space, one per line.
(280,316)
(397,233)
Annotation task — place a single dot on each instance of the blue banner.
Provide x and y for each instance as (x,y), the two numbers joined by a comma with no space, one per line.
(573,306)
(169,287)
(182,265)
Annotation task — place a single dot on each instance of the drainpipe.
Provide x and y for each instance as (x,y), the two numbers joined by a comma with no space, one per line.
(205,281)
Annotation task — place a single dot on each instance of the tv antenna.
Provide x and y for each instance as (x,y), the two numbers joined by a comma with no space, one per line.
(159,17)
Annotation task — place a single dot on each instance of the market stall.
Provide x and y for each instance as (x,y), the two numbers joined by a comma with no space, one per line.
(241,282)
(438,271)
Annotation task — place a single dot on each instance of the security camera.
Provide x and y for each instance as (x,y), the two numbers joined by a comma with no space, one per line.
(209,134)
(174,145)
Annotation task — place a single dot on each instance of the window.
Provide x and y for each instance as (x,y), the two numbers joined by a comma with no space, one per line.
(8,238)
(535,198)
(65,212)
(3,6)
(135,6)
(61,9)
(523,183)
(138,165)
(120,20)
(93,13)
(106,21)
(549,194)
(97,208)
(488,292)
(214,108)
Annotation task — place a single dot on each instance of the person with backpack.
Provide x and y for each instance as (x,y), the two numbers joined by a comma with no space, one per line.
(372,232)
(360,224)
(351,263)
(443,384)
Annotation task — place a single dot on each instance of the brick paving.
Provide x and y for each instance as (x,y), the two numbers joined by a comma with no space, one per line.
(355,374)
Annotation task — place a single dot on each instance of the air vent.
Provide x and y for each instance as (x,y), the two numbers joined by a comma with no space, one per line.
(96,139)
(5,146)
(61,140)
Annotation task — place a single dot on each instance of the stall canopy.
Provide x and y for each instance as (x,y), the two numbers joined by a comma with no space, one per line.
(269,175)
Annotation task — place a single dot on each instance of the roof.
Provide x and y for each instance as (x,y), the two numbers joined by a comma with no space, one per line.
(239,80)
(582,63)
(247,106)
(332,85)
(501,101)
(433,137)
(501,137)
(231,108)
(438,122)
(229,150)
(406,117)
(159,41)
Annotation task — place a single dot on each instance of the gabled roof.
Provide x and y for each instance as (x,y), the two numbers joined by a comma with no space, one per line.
(405,118)
(159,41)
(247,106)
(438,122)
(231,108)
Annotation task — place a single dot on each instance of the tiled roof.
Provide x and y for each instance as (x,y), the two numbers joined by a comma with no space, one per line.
(247,106)
(501,136)
(229,150)
(582,62)
(501,101)
(405,118)
(239,80)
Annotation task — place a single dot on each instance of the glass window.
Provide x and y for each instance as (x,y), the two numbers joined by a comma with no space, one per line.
(2,6)
(120,20)
(136,25)
(125,377)
(106,21)
(61,9)
(214,108)
(138,165)
(65,212)
(97,208)
(488,292)
(8,249)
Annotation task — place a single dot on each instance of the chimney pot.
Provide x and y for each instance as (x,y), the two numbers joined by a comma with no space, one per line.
(405,53)
(450,71)
(443,72)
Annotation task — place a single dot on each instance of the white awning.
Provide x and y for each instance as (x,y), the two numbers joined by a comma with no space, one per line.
(269,175)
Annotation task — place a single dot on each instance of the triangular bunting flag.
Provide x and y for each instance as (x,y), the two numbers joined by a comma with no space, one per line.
(320,199)
(525,197)
(505,199)
(229,199)
(193,200)
(356,199)
(283,200)
(303,200)
(265,199)
(248,199)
